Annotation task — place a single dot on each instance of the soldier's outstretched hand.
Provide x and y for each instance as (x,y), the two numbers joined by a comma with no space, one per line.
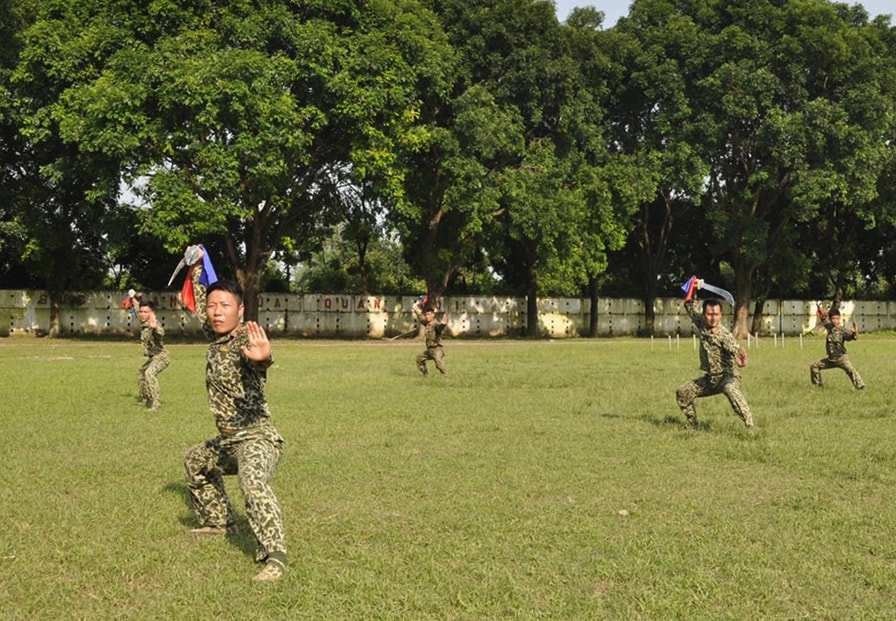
(741,358)
(259,348)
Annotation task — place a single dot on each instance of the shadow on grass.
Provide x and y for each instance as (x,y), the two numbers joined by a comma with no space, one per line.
(669,421)
(676,423)
(244,541)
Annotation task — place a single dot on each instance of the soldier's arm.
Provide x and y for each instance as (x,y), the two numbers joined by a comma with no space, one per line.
(735,349)
(696,318)
(200,294)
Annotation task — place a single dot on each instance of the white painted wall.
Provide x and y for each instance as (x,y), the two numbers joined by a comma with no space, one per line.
(355,316)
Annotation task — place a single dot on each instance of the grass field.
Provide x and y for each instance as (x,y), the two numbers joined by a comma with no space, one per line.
(541,480)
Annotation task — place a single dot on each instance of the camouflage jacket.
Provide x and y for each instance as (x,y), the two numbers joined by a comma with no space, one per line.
(835,342)
(235,384)
(717,350)
(152,340)
(432,331)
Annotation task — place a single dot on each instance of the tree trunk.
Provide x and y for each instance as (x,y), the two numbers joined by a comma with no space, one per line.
(652,243)
(55,328)
(649,312)
(532,301)
(593,318)
(250,298)
(758,307)
(743,290)
(362,266)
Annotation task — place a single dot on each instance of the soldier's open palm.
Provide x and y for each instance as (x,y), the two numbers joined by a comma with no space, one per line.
(259,348)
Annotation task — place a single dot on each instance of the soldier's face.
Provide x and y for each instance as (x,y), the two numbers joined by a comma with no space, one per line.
(225,312)
(144,313)
(835,319)
(712,315)
(429,316)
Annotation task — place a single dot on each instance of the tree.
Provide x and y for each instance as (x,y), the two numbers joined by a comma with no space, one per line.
(239,122)
(612,181)
(795,107)
(62,196)
(12,232)
(514,172)
(451,193)
(651,119)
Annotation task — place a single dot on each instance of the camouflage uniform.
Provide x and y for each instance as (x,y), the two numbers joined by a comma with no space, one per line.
(157,361)
(248,445)
(717,353)
(837,356)
(432,337)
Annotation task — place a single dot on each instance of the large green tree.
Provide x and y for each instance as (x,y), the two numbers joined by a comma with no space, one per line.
(651,119)
(619,169)
(793,106)
(513,179)
(239,121)
(12,232)
(63,197)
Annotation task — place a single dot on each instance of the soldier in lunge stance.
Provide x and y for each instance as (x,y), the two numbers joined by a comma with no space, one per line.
(152,337)
(720,353)
(836,349)
(432,335)
(248,445)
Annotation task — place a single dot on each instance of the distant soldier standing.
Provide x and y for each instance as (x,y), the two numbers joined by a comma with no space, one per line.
(720,353)
(248,445)
(152,337)
(432,335)
(836,349)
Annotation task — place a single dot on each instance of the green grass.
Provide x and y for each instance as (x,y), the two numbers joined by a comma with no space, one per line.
(541,480)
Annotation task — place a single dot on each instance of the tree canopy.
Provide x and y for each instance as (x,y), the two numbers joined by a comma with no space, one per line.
(484,146)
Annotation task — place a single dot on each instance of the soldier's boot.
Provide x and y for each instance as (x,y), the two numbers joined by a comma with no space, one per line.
(815,376)
(691,416)
(273,570)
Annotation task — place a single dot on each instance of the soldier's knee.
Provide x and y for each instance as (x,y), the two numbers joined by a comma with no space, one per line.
(251,488)
(195,458)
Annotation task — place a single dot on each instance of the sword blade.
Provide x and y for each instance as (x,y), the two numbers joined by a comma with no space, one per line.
(398,336)
(720,292)
(179,267)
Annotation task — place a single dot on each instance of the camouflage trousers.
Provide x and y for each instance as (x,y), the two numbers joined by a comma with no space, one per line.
(148,379)
(842,362)
(707,386)
(252,455)
(436,355)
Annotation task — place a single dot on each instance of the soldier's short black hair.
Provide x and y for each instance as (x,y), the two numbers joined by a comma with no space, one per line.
(148,303)
(230,286)
(710,302)
(834,311)
(428,309)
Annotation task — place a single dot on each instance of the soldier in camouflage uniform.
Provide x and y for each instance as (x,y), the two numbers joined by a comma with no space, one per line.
(248,445)
(720,353)
(432,336)
(152,337)
(836,349)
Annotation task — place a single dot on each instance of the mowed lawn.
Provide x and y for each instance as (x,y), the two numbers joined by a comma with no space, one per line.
(540,480)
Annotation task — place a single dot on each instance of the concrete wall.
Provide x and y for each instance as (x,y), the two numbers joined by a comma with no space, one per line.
(355,316)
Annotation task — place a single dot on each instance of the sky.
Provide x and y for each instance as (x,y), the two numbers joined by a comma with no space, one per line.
(614,9)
